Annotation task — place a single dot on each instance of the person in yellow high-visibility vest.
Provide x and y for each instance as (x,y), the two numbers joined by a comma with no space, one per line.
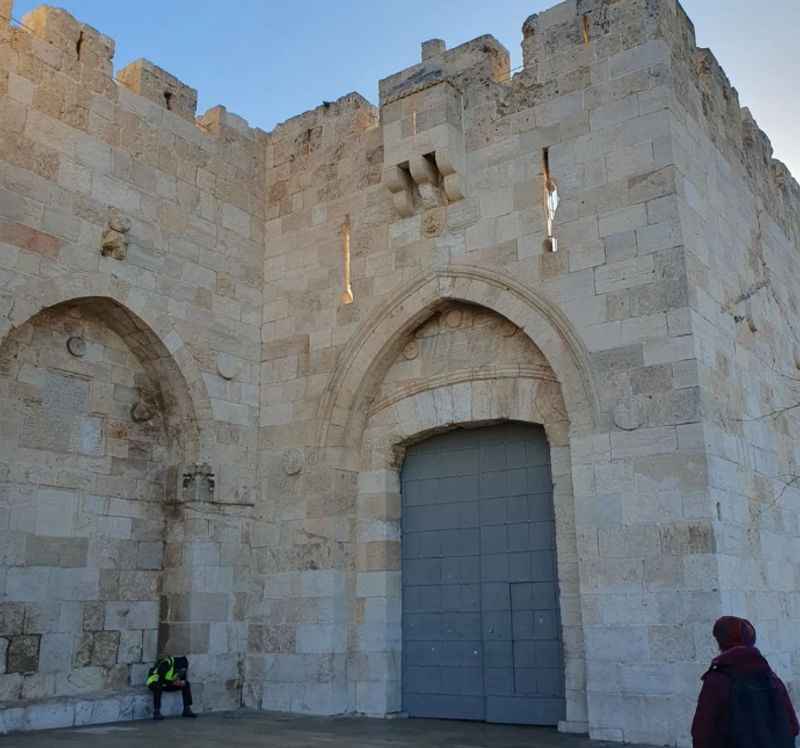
(169,674)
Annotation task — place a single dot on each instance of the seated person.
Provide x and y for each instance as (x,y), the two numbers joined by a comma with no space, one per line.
(169,674)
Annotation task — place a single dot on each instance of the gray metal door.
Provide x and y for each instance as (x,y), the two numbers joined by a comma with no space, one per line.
(481,628)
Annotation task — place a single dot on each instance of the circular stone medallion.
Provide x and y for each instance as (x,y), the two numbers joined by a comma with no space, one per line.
(228,366)
(77,346)
(141,412)
(627,415)
(411,351)
(454,318)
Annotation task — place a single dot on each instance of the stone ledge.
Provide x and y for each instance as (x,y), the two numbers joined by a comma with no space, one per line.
(78,711)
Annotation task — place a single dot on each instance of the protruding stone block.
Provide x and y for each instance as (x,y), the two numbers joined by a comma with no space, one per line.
(77,49)
(218,118)
(148,80)
(433,48)
(53,25)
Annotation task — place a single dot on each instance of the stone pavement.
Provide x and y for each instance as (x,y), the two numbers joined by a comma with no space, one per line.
(245,729)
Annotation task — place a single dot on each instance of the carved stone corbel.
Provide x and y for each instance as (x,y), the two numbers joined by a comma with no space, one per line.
(452,183)
(424,173)
(399,184)
(115,237)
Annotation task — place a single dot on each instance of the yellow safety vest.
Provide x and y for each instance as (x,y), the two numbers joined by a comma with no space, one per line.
(153,678)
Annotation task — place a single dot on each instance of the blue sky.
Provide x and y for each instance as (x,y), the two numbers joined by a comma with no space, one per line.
(268,61)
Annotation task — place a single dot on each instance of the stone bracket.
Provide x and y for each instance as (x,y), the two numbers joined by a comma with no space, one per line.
(452,181)
(430,181)
(399,183)
(424,147)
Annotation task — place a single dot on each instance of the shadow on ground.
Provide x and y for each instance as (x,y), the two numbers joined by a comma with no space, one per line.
(250,729)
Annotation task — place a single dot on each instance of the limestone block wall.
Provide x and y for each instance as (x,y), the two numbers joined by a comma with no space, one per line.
(288,302)
(459,217)
(740,215)
(115,199)
(322,167)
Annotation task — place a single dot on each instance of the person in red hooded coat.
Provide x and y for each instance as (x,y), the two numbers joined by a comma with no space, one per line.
(738,657)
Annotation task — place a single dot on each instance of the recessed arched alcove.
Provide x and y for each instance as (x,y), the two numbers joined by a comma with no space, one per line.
(96,418)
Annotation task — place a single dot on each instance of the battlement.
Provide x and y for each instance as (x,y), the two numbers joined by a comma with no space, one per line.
(352,107)
(482,57)
(704,90)
(569,38)
(564,48)
(154,83)
(83,53)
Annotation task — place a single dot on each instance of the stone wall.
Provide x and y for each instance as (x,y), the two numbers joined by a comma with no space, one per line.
(308,302)
(126,223)
(740,216)
(84,436)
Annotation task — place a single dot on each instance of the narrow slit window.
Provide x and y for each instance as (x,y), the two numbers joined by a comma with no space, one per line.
(347,292)
(168,100)
(550,202)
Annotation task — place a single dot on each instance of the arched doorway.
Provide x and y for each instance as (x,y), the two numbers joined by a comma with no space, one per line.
(481,624)
(395,385)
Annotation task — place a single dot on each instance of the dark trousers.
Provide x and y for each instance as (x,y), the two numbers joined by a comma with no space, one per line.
(159,688)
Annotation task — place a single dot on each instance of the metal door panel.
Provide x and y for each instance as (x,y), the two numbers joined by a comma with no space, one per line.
(481,629)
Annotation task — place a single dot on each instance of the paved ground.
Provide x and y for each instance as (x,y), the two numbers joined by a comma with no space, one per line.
(248,730)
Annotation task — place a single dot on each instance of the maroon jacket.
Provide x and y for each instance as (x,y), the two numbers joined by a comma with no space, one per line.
(711,717)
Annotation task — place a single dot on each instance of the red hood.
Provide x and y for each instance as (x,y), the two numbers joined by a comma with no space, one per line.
(742,658)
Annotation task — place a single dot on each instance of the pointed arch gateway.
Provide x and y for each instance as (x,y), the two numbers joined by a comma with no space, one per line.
(361,430)
(379,339)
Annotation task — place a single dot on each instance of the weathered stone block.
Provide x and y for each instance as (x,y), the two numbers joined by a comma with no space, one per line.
(92,616)
(23,654)
(105,647)
(150,81)
(12,618)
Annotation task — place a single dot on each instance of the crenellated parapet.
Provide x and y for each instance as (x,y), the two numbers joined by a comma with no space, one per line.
(70,63)
(154,83)
(708,97)
(483,58)
(561,49)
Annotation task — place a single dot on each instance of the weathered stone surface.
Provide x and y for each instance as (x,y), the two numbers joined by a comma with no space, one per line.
(217,473)
(105,647)
(23,654)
